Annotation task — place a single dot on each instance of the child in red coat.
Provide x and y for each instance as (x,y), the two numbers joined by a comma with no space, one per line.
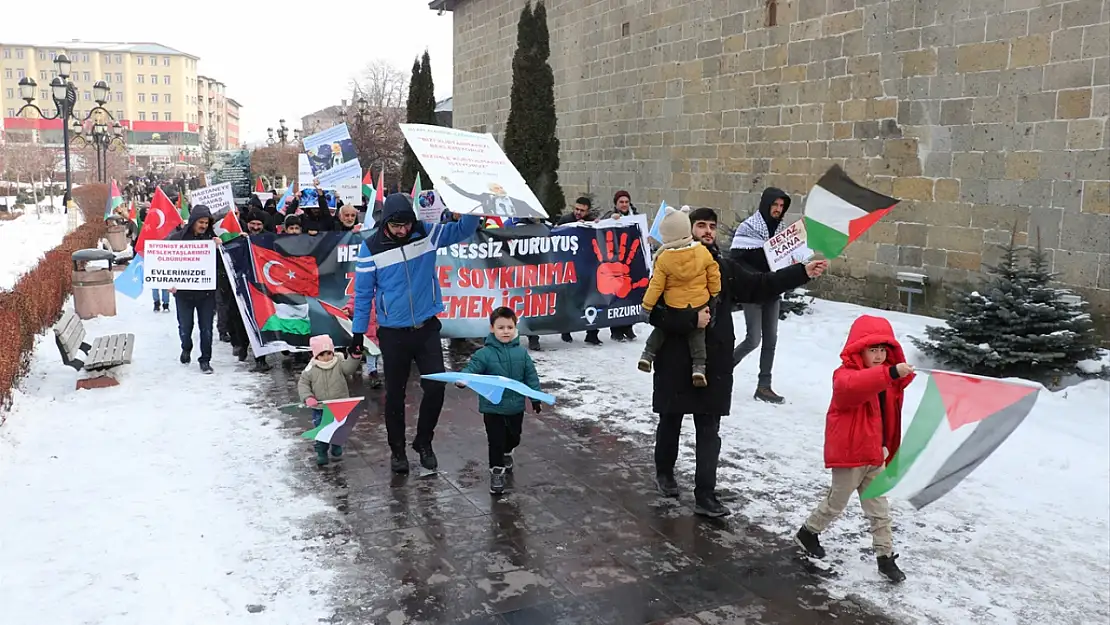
(863,429)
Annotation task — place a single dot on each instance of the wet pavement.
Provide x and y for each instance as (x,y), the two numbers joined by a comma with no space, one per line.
(581,538)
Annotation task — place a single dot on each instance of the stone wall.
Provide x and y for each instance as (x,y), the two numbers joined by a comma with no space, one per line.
(982,115)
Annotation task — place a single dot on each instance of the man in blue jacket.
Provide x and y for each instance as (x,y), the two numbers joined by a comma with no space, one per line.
(396,273)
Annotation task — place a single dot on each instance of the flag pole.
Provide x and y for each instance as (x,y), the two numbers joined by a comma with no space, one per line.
(1017,381)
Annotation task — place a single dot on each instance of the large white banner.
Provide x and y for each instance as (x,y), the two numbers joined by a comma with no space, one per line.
(218,198)
(182,265)
(471,172)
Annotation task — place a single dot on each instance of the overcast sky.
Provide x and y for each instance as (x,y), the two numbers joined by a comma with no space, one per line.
(276,63)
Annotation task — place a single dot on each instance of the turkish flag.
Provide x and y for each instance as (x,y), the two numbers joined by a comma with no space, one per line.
(286,274)
(161,219)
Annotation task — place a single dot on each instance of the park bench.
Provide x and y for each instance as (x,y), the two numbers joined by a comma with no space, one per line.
(99,358)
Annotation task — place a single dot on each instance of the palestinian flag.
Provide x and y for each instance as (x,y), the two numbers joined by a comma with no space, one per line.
(115,199)
(229,227)
(338,421)
(183,207)
(271,316)
(368,186)
(961,420)
(344,320)
(838,211)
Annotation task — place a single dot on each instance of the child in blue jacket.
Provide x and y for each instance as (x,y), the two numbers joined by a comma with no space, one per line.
(504,356)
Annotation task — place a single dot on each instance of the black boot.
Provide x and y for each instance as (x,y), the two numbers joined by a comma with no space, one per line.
(809,542)
(889,568)
(157,306)
(225,337)
(427,456)
(241,352)
(534,344)
(206,368)
(399,461)
(260,365)
(764,393)
(567,338)
(185,357)
(497,480)
(710,506)
(666,485)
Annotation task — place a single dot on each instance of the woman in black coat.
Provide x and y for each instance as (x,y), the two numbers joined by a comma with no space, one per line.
(674,394)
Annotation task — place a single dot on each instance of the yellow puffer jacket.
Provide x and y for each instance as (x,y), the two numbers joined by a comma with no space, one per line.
(686,277)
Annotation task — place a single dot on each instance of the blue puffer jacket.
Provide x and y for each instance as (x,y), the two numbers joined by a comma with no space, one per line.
(399,277)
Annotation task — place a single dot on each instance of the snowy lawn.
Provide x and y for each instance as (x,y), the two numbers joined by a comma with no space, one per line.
(24,240)
(168,496)
(1025,539)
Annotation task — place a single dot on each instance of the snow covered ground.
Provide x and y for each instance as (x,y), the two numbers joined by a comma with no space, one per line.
(1025,539)
(163,500)
(25,239)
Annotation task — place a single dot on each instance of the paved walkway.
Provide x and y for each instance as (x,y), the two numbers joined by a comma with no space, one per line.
(582,538)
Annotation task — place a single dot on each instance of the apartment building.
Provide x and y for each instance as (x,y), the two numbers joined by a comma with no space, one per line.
(155,93)
(233,140)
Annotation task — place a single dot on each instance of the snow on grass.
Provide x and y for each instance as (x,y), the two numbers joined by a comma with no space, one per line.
(24,240)
(1024,539)
(166,496)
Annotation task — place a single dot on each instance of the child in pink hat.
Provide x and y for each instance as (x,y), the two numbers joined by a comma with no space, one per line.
(324,379)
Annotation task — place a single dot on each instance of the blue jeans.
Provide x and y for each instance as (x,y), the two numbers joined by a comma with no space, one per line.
(205,309)
(165,293)
(317,417)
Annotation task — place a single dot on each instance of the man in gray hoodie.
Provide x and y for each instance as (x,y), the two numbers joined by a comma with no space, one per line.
(761,318)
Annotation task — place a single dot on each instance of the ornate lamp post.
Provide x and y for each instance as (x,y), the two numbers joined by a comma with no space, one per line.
(282,134)
(102,141)
(64,94)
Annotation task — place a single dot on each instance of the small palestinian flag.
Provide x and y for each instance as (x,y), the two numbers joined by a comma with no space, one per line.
(838,211)
(183,207)
(114,199)
(338,421)
(344,320)
(271,316)
(368,186)
(229,227)
(961,420)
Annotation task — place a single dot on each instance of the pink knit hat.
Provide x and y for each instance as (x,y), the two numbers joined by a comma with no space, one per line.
(321,343)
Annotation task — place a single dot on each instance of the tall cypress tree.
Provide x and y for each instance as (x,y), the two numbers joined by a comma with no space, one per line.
(411,166)
(530,141)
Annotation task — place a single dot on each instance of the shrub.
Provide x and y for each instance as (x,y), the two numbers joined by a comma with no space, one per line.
(38,297)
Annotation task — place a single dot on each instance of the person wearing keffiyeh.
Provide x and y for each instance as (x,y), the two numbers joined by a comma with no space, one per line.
(761,318)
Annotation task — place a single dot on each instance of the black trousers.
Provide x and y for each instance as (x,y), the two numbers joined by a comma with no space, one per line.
(401,347)
(707,449)
(503,435)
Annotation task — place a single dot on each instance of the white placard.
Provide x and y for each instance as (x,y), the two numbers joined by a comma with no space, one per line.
(304,171)
(350,191)
(183,265)
(218,198)
(430,207)
(788,247)
(471,172)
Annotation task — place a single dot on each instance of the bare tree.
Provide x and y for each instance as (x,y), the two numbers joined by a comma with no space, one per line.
(273,162)
(375,129)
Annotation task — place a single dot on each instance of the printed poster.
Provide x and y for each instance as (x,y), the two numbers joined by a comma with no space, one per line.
(429,207)
(579,277)
(218,198)
(472,172)
(304,171)
(182,265)
(232,166)
(332,156)
(788,247)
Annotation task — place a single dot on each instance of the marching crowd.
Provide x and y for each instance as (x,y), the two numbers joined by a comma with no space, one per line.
(691,350)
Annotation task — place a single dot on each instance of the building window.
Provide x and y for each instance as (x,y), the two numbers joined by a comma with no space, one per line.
(120,97)
(42,74)
(19,74)
(7,72)
(19,53)
(11,112)
(87,95)
(44,94)
(53,73)
(7,53)
(167,116)
(119,114)
(154,116)
(107,59)
(108,77)
(153,61)
(10,93)
(119,59)
(772,13)
(42,55)
(85,76)
(166,61)
(84,57)
(154,98)
(139,60)
(167,100)
(140,77)
(154,79)
(119,77)
(142,97)
(166,80)
(142,116)
(53,56)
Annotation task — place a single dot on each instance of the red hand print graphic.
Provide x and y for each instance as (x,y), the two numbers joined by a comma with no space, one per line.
(613,273)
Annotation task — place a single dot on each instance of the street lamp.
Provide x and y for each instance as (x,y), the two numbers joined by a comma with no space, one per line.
(104,138)
(64,94)
(282,134)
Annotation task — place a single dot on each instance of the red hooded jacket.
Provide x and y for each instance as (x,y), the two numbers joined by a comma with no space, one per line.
(855,431)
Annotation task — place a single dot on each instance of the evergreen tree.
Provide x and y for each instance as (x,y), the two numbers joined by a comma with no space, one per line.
(530,141)
(1017,324)
(411,166)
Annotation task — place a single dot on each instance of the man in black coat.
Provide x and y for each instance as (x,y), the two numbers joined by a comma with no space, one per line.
(674,394)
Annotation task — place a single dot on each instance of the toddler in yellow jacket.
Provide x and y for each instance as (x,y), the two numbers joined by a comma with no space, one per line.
(686,276)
